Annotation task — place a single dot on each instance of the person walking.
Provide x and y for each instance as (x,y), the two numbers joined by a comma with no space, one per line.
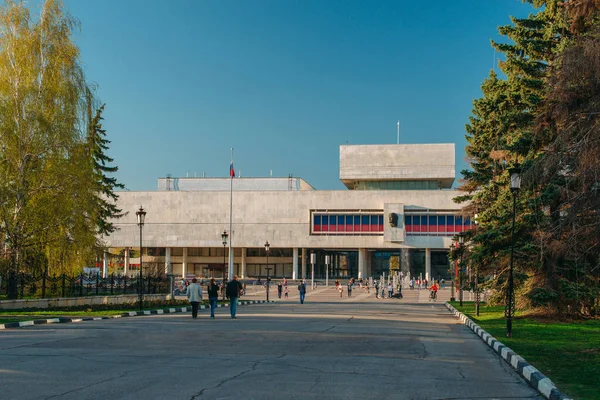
(302,290)
(279,289)
(213,296)
(233,290)
(286,292)
(194,294)
(390,289)
(350,288)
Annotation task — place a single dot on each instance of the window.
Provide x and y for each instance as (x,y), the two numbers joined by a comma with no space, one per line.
(458,224)
(435,224)
(349,223)
(156,251)
(441,223)
(467,225)
(365,223)
(317,223)
(408,223)
(342,223)
(333,223)
(417,223)
(450,223)
(429,224)
(352,224)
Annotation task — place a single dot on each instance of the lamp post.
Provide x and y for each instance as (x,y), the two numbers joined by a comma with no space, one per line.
(476,286)
(224,236)
(267,248)
(461,240)
(515,185)
(141,216)
(313,260)
(452,250)
(327,261)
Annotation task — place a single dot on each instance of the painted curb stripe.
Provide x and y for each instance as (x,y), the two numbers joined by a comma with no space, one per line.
(62,320)
(536,377)
(545,386)
(528,371)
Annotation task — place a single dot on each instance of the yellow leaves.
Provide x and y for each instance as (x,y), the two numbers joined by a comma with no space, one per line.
(43,96)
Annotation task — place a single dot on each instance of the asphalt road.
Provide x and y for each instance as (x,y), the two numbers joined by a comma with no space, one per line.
(328,348)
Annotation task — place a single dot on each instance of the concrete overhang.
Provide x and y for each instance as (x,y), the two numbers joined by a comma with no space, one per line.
(398,162)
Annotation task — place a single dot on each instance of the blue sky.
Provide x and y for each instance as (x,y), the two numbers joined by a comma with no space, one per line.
(284,82)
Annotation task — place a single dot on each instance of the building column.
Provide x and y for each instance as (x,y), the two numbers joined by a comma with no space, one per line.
(243,264)
(126,261)
(362,263)
(428,265)
(303,276)
(104,264)
(295,263)
(168,267)
(184,264)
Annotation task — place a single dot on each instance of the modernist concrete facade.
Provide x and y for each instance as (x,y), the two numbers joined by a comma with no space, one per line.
(186,216)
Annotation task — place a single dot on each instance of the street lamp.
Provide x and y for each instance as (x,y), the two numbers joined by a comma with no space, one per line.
(313,261)
(327,261)
(224,236)
(267,248)
(141,216)
(509,310)
(452,251)
(461,240)
(477,295)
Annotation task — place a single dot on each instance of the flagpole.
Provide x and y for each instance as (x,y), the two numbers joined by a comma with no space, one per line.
(230,272)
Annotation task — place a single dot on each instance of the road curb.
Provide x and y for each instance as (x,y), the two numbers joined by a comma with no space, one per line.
(535,378)
(23,324)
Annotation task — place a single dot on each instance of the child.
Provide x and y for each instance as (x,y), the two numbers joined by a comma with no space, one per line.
(285,292)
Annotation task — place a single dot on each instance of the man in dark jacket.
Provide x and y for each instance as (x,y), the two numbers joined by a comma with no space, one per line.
(302,290)
(233,293)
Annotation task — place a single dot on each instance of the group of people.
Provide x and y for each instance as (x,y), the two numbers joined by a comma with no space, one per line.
(340,288)
(282,287)
(381,288)
(233,290)
(423,283)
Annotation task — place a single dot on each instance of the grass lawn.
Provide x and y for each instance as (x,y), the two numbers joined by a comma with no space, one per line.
(566,352)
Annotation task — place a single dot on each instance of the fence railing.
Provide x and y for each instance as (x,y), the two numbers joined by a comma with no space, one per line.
(24,286)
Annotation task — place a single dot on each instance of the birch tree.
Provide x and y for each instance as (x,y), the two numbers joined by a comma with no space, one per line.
(43,103)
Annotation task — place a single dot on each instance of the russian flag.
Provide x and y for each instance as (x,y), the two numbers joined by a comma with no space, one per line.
(231,170)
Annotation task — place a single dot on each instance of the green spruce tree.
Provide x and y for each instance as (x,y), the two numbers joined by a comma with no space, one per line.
(104,185)
(501,135)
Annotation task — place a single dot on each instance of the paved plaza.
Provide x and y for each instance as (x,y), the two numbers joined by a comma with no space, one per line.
(327,348)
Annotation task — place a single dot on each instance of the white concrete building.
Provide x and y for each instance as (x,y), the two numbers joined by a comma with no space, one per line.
(397,214)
